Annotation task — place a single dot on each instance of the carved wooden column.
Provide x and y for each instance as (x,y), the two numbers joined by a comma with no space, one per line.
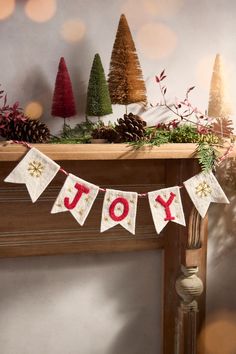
(189,287)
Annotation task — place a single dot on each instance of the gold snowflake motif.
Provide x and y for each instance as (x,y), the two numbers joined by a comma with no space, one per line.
(87,199)
(203,190)
(35,168)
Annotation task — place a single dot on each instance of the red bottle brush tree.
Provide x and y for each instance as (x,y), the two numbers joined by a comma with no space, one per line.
(63,104)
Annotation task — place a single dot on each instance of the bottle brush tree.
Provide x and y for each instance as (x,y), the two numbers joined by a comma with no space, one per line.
(218,106)
(63,104)
(125,79)
(98,98)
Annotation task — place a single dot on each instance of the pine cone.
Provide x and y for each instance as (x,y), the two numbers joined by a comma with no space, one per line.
(31,131)
(130,128)
(105,132)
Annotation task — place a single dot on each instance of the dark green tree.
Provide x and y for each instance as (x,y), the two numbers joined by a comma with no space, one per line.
(98,98)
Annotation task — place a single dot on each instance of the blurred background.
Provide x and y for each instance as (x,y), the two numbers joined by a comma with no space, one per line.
(181,36)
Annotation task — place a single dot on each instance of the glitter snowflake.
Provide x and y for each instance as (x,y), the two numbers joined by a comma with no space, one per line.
(203,190)
(35,168)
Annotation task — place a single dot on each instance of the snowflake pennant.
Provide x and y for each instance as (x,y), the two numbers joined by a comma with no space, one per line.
(166,205)
(36,170)
(119,207)
(204,189)
(76,196)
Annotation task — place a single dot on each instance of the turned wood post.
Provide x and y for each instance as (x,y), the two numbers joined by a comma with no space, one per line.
(189,287)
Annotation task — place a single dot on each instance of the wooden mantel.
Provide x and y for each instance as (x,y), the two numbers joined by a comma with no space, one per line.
(13,152)
(28,229)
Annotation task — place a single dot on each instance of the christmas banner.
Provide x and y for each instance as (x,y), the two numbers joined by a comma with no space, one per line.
(36,170)
(76,196)
(204,189)
(119,208)
(166,205)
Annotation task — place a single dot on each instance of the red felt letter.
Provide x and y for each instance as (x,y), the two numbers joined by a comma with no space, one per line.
(81,189)
(166,205)
(125,210)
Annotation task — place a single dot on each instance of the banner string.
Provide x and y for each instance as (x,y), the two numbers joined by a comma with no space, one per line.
(141,195)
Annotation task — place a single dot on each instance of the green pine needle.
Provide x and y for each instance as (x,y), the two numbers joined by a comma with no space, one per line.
(184,133)
(207,155)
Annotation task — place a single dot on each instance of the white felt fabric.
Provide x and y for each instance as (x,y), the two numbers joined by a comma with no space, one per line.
(84,204)
(158,211)
(204,189)
(129,221)
(36,170)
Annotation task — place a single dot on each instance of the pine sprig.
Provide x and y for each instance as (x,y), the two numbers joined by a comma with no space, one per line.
(152,137)
(80,134)
(183,133)
(207,155)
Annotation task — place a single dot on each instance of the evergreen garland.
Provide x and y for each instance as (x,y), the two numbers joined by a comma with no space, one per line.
(206,151)
(80,134)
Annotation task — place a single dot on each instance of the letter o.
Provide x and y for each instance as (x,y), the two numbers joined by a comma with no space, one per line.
(125,211)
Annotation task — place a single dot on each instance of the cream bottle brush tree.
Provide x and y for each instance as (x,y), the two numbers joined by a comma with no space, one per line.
(218,106)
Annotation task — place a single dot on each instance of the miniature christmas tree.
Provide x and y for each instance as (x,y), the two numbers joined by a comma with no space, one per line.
(125,78)
(63,104)
(98,98)
(218,106)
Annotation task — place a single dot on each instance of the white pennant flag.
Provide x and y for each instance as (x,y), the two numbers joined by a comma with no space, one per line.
(166,205)
(119,207)
(76,196)
(204,189)
(36,170)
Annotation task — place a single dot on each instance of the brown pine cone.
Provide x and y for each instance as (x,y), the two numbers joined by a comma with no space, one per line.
(30,131)
(130,128)
(105,132)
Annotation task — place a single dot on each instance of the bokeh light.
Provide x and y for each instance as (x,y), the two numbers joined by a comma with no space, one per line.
(7,7)
(138,14)
(219,334)
(40,10)
(156,40)
(169,8)
(34,110)
(73,30)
